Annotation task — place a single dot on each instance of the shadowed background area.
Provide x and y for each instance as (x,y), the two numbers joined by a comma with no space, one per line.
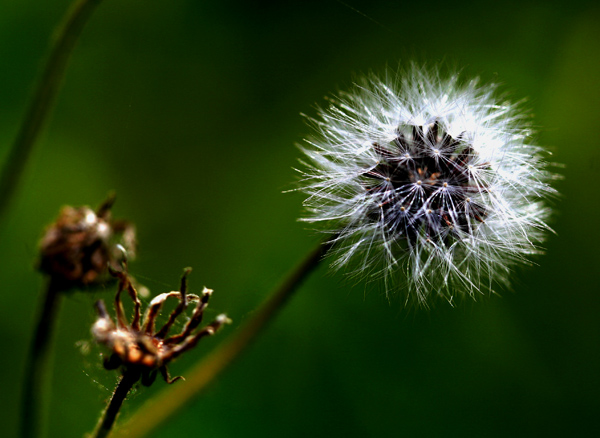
(189,110)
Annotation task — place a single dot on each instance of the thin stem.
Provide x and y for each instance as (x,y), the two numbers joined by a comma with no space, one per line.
(43,98)
(174,399)
(37,366)
(114,405)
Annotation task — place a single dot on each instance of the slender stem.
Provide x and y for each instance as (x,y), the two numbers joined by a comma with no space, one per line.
(37,366)
(110,414)
(43,98)
(174,399)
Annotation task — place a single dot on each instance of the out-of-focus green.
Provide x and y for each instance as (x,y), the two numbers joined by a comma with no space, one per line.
(190,111)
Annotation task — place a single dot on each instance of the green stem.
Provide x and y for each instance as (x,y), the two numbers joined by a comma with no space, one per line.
(43,98)
(37,366)
(114,405)
(175,398)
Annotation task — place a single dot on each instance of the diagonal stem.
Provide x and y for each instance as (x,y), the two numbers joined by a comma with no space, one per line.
(172,400)
(43,98)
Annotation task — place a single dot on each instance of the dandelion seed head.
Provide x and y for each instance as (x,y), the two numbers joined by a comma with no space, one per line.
(429,183)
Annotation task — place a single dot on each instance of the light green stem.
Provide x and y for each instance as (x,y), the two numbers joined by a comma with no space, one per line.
(174,399)
(43,99)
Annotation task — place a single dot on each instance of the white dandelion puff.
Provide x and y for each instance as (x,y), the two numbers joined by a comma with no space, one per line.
(428,183)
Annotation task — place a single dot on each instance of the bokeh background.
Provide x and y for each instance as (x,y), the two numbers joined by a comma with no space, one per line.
(190,111)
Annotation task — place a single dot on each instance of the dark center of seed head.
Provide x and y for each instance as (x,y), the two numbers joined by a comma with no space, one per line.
(422,185)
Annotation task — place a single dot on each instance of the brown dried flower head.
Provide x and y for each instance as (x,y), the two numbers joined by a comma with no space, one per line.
(139,347)
(78,247)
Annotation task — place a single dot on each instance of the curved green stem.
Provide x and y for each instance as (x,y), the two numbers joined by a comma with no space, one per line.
(43,98)
(37,366)
(173,399)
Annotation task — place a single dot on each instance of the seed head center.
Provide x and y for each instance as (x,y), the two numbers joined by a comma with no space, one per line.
(407,162)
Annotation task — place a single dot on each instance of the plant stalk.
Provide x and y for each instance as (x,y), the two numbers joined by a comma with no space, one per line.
(43,98)
(173,399)
(110,413)
(38,364)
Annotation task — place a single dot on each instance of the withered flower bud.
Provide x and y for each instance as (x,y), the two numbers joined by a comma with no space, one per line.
(139,347)
(77,249)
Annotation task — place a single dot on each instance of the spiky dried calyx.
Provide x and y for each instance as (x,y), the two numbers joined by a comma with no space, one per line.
(137,346)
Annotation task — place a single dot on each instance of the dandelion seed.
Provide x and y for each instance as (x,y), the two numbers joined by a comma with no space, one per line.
(447,196)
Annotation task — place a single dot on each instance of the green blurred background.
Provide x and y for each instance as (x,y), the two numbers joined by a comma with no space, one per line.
(190,111)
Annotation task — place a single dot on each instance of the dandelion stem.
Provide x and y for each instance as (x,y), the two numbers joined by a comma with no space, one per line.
(43,98)
(173,399)
(37,366)
(114,405)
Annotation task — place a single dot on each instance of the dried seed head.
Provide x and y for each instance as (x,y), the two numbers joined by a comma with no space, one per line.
(138,346)
(78,247)
(427,182)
